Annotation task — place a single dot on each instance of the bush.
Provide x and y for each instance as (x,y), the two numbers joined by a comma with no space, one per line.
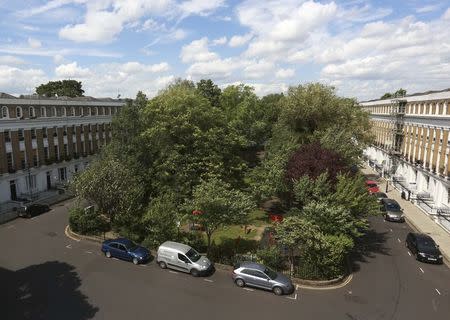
(87,222)
(271,257)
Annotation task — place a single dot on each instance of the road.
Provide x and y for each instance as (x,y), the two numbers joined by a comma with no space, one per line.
(45,275)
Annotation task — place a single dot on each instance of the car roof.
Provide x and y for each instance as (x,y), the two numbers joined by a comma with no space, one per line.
(389,201)
(252,265)
(176,246)
(124,241)
(423,236)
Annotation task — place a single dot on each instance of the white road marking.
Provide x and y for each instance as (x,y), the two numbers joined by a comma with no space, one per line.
(437,291)
(10,227)
(399,240)
(409,253)
(173,272)
(69,246)
(248,289)
(391,230)
(350,292)
(208,280)
(143,265)
(87,251)
(293,298)
(421,270)
(296,287)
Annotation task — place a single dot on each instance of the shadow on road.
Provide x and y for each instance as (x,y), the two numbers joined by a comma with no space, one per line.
(371,244)
(45,291)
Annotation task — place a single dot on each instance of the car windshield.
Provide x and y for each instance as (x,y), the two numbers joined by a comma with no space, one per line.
(372,185)
(272,274)
(393,207)
(193,255)
(131,246)
(426,244)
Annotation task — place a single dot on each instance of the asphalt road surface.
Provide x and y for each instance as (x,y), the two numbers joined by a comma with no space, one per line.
(45,275)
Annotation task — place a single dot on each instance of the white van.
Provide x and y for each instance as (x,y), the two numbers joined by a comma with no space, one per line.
(182,257)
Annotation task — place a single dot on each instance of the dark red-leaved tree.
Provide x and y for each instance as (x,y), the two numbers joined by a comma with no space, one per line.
(313,160)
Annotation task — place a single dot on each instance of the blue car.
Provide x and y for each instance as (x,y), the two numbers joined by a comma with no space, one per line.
(126,250)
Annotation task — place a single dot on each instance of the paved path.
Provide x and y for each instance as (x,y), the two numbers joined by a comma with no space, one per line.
(417,218)
(45,275)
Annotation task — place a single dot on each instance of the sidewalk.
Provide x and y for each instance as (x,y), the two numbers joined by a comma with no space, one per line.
(416,218)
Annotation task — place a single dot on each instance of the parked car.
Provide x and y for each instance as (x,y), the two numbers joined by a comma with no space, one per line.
(380,195)
(126,250)
(32,210)
(392,210)
(257,275)
(423,247)
(183,258)
(372,186)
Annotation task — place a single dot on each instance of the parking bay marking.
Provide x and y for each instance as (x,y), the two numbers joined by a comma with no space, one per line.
(208,280)
(399,240)
(69,246)
(173,272)
(293,298)
(248,289)
(437,291)
(421,270)
(87,251)
(409,253)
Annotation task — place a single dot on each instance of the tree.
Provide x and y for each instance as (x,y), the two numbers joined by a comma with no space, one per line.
(112,187)
(161,220)
(219,205)
(209,90)
(387,95)
(64,88)
(400,93)
(312,160)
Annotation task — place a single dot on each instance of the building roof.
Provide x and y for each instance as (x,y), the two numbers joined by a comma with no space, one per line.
(35,99)
(420,96)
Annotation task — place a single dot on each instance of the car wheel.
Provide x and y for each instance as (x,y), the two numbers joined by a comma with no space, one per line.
(135,261)
(108,254)
(240,283)
(278,291)
(194,272)
(163,265)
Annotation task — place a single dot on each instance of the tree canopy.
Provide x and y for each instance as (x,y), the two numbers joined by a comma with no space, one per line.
(64,88)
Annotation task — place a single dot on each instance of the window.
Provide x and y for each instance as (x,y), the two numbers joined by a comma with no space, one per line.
(183,258)
(5,112)
(33,133)
(62,174)
(46,155)
(43,112)
(64,130)
(66,151)
(64,112)
(9,160)
(35,159)
(55,131)
(44,132)
(82,128)
(19,112)
(75,168)
(56,152)
(32,112)
(7,136)
(22,160)
(74,147)
(20,134)
(72,112)
(89,111)
(31,182)
(54,114)
(81,111)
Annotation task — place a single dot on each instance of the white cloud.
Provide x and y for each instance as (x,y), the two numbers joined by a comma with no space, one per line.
(17,81)
(11,60)
(71,70)
(428,8)
(258,69)
(285,73)
(446,15)
(133,67)
(219,41)
(200,7)
(237,41)
(197,50)
(34,43)
(59,59)
(218,69)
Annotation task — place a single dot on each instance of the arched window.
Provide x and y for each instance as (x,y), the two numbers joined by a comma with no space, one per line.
(89,111)
(104,110)
(54,114)
(72,112)
(109,110)
(64,112)
(5,112)
(96,111)
(32,112)
(43,112)
(19,112)
(81,111)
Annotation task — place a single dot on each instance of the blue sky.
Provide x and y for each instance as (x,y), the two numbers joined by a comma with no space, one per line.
(363,48)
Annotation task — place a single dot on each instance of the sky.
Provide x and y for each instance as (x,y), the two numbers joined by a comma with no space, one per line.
(117,47)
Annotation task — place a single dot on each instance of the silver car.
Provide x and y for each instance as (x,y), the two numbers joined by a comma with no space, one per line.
(257,275)
(183,258)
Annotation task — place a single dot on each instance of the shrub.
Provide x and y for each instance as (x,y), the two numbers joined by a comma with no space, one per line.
(87,222)
(271,257)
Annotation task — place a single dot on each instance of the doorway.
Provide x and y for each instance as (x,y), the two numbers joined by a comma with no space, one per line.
(49,180)
(12,188)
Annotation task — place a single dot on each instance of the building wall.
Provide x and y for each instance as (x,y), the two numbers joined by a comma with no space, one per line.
(31,128)
(425,150)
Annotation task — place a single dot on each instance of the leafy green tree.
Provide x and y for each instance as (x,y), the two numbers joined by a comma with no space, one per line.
(400,93)
(387,95)
(161,220)
(64,88)
(210,91)
(219,205)
(112,187)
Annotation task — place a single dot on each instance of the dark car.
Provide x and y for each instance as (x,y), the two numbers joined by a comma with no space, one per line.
(257,275)
(392,210)
(423,247)
(380,195)
(126,250)
(32,210)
